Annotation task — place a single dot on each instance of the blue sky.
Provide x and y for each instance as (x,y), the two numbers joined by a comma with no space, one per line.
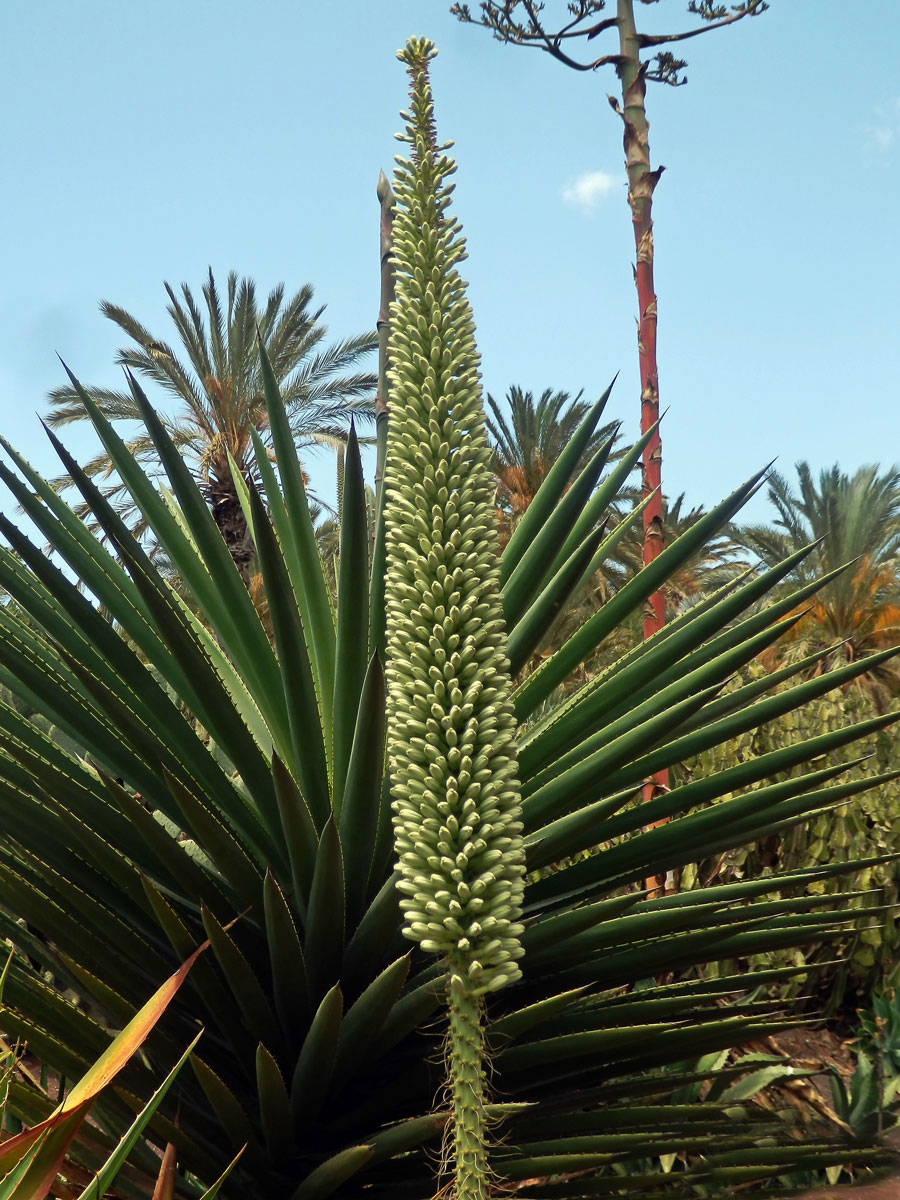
(142,142)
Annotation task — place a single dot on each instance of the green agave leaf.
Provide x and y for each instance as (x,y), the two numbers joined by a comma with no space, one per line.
(241,979)
(213,1191)
(216,1001)
(752,1084)
(214,580)
(526,634)
(178,868)
(362,791)
(44,1006)
(377,932)
(236,1124)
(204,661)
(513,1025)
(399,1139)
(756,808)
(242,491)
(289,980)
(293,524)
(95,918)
(192,645)
(539,685)
(533,568)
(364,1020)
(274,1107)
(313,1071)
(325,916)
(297,683)
(326,1178)
(548,929)
(34,672)
(300,834)
(410,1012)
(750,772)
(765,710)
(687,683)
(58,923)
(560,793)
(101,575)
(551,489)
(226,850)
(113,864)
(232,601)
(680,646)
(638,928)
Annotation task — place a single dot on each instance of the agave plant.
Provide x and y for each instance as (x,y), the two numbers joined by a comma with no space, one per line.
(226,773)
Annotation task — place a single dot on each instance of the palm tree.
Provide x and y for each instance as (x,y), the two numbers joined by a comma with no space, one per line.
(857,520)
(218,389)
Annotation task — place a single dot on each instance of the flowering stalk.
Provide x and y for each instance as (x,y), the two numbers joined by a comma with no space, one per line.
(451,727)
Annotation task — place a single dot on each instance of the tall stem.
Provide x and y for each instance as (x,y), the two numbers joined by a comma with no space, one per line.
(641,184)
(465,1054)
(382,325)
(386,202)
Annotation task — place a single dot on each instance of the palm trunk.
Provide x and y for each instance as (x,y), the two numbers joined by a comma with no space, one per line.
(229,517)
(641,185)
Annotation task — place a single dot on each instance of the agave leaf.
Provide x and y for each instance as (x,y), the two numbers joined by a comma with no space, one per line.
(212,1191)
(562,791)
(538,686)
(744,774)
(326,1178)
(364,1020)
(274,1107)
(235,1122)
(533,568)
(530,626)
(377,933)
(620,713)
(241,628)
(325,916)
(552,488)
(226,850)
(361,797)
(251,999)
(293,524)
(33,1165)
(288,964)
(300,834)
(685,639)
(178,868)
(298,685)
(313,1071)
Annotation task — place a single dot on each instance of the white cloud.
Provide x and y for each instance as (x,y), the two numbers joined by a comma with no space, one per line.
(586,190)
(882,136)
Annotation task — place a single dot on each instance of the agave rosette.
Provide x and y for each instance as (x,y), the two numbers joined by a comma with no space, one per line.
(229,769)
